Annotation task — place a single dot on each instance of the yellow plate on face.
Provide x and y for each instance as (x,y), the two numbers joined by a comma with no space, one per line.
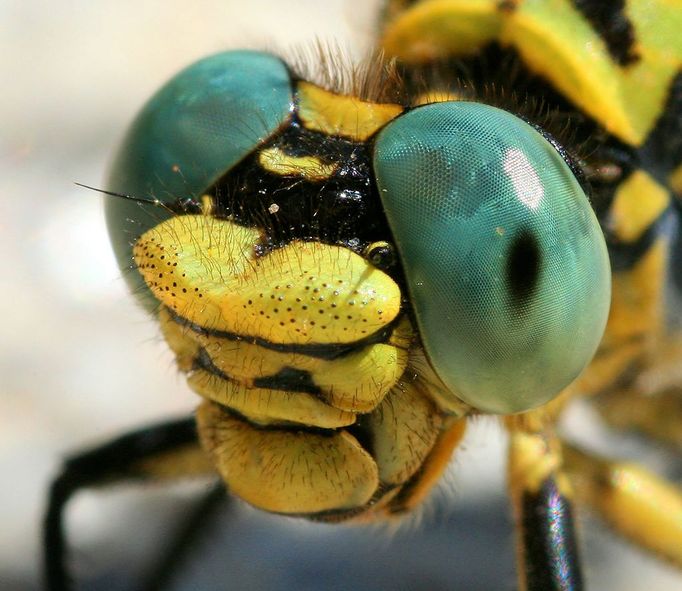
(206,270)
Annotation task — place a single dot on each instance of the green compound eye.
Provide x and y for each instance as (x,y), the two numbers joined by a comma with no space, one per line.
(191,132)
(504,258)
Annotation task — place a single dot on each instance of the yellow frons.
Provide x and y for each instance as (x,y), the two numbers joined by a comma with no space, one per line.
(206,271)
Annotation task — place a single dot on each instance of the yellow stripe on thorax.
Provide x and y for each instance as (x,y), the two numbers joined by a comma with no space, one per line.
(346,116)
(637,300)
(558,43)
(638,202)
(636,319)
(438,28)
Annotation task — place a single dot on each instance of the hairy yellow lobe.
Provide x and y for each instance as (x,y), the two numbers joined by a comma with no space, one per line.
(347,116)
(206,270)
(288,471)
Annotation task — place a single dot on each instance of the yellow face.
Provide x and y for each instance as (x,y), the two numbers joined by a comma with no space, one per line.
(300,348)
(290,302)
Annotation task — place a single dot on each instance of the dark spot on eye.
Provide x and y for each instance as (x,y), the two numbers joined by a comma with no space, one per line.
(523,267)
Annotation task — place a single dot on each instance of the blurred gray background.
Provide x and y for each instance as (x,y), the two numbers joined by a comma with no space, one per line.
(80,363)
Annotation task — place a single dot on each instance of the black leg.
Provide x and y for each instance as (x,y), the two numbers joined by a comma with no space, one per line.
(125,458)
(547,552)
(164,572)
(551,554)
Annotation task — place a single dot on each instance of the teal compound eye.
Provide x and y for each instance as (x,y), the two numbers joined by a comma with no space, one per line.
(504,259)
(192,131)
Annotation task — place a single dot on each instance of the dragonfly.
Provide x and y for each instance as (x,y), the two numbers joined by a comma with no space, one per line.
(352,265)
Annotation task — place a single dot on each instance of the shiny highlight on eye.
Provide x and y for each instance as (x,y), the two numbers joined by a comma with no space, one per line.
(504,258)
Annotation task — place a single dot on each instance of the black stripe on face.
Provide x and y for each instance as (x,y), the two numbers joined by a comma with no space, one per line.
(327,351)
(550,550)
(289,379)
(609,21)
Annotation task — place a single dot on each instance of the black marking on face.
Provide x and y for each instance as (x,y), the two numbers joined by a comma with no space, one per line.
(328,351)
(289,379)
(343,208)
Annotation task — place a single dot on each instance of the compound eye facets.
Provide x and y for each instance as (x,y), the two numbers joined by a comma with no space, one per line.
(504,258)
(191,132)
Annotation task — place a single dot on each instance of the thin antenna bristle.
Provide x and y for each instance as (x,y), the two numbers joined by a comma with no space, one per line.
(147,200)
